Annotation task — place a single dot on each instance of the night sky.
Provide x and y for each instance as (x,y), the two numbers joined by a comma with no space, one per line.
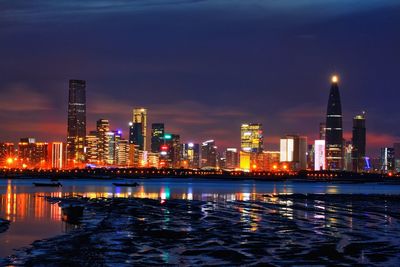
(201,67)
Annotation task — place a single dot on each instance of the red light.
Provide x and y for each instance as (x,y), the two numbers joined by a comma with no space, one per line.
(164,147)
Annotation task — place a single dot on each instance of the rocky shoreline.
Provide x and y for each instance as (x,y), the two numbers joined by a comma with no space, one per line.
(4,224)
(281,230)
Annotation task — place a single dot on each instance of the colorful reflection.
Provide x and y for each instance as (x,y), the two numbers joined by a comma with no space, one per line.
(16,206)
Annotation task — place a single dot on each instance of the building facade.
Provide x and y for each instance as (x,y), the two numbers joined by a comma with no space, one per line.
(359,143)
(157,137)
(103,127)
(334,130)
(208,154)
(76,130)
(251,137)
(140,116)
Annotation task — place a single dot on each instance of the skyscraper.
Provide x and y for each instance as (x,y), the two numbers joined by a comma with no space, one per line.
(359,142)
(208,154)
(157,134)
(136,135)
(334,130)
(140,116)
(103,127)
(251,137)
(76,121)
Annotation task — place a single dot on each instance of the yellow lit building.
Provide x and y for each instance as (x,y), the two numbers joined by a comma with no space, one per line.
(140,116)
(251,137)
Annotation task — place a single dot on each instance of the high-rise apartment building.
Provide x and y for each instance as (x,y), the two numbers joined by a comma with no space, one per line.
(91,148)
(103,127)
(334,130)
(122,152)
(140,116)
(76,131)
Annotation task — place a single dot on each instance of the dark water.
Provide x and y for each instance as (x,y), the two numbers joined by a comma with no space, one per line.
(33,218)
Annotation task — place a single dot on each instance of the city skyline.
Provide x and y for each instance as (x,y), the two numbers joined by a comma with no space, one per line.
(192,83)
(126,130)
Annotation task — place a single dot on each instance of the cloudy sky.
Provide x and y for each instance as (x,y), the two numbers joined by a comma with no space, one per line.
(202,67)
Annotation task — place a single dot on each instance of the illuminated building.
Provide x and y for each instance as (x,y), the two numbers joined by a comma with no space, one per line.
(122,152)
(347,156)
(251,138)
(271,160)
(386,159)
(174,146)
(208,154)
(134,156)
(334,130)
(76,131)
(103,127)
(140,116)
(91,148)
(110,155)
(34,155)
(319,155)
(190,156)
(57,155)
(244,160)
(286,150)
(231,158)
(359,142)
(170,154)
(293,150)
(157,134)
(136,136)
(7,156)
(143,158)
(153,160)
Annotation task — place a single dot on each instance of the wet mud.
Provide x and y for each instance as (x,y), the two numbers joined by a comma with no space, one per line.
(276,230)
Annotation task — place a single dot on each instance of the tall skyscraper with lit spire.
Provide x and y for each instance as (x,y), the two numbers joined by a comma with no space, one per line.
(334,130)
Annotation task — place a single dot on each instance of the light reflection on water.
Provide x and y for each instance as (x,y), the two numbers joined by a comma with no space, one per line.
(34,218)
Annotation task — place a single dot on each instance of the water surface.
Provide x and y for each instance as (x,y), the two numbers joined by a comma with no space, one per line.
(32,218)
